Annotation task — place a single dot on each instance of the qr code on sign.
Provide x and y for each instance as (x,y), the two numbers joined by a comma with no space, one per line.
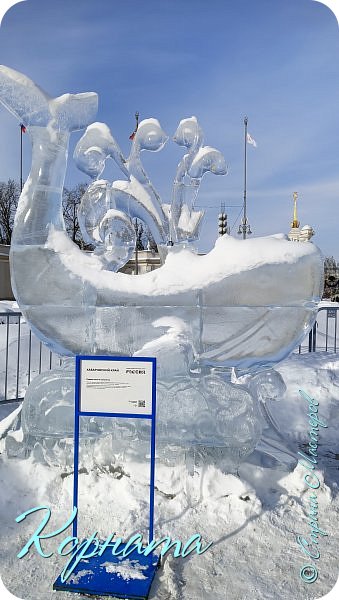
(141,403)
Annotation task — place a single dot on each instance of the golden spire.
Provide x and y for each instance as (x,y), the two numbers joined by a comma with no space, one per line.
(295,224)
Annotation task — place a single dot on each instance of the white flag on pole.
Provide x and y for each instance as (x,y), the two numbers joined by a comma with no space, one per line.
(250,140)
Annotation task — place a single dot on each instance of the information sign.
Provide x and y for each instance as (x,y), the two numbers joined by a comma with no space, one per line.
(115,386)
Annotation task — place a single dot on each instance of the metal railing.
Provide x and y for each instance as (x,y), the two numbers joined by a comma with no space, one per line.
(324,335)
(23,356)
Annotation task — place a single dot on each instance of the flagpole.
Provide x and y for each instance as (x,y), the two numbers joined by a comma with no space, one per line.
(244,229)
(21,183)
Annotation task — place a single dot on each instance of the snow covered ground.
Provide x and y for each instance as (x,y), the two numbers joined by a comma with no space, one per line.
(253,520)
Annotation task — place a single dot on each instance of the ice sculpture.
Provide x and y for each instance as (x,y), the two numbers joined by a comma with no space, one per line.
(47,421)
(245,305)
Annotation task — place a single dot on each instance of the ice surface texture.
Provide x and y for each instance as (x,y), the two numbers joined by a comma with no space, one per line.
(246,304)
(203,411)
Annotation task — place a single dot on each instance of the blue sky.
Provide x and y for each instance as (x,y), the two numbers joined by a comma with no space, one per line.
(276,61)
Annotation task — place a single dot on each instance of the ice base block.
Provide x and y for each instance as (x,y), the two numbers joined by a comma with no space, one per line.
(108,575)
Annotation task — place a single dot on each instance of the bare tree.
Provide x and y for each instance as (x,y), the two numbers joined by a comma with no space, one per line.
(139,233)
(9,196)
(144,237)
(70,204)
(149,242)
(331,282)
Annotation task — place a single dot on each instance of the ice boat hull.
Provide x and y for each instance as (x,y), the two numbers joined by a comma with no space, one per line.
(242,319)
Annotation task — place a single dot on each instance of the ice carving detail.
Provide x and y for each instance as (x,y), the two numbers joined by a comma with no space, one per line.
(138,197)
(199,160)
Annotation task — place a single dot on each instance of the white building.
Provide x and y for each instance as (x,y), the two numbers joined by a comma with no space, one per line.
(296,233)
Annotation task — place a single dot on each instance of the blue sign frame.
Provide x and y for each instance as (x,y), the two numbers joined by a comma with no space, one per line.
(79,413)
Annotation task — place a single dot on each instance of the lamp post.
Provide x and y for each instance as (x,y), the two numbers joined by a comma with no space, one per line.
(244,227)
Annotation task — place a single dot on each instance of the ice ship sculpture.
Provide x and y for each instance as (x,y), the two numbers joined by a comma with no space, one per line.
(244,305)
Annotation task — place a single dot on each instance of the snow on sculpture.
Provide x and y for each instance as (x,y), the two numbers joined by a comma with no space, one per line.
(245,305)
